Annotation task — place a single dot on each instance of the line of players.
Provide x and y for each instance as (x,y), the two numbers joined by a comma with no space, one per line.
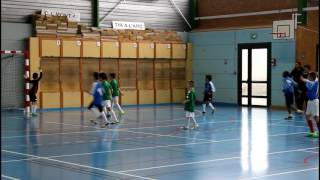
(105,96)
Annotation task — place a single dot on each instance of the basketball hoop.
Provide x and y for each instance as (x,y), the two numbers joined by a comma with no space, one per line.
(279,35)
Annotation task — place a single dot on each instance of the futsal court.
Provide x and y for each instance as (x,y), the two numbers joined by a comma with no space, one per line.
(160,89)
(234,143)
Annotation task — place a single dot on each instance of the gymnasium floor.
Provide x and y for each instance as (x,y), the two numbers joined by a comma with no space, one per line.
(234,143)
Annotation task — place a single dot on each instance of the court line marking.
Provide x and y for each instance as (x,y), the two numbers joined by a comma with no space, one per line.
(282,173)
(8,177)
(89,141)
(206,161)
(180,137)
(104,129)
(172,135)
(150,147)
(315,152)
(79,165)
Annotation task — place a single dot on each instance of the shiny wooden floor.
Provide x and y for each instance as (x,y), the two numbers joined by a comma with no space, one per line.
(234,143)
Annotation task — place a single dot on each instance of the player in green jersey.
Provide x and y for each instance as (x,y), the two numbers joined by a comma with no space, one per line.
(107,96)
(115,92)
(189,106)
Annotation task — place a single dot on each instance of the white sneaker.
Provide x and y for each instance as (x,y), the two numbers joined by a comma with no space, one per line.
(104,125)
(195,126)
(93,122)
(299,111)
(185,127)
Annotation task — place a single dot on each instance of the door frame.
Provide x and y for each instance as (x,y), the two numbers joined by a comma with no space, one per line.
(253,46)
(317,57)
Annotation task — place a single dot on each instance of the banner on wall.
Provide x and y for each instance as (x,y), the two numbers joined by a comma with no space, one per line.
(71,14)
(128,25)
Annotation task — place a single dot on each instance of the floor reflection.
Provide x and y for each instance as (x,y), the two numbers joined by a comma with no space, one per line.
(254,140)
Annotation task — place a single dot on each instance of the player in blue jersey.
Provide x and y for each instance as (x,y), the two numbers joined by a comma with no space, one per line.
(312,112)
(209,89)
(288,85)
(97,94)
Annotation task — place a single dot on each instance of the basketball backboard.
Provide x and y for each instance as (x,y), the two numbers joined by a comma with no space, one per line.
(283,29)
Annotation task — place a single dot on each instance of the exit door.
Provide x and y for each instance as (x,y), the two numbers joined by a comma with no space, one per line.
(254,74)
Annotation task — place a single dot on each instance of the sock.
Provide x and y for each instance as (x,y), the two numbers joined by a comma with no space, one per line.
(194,121)
(119,107)
(32,109)
(212,107)
(35,108)
(104,117)
(114,115)
(204,107)
(188,123)
(310,126)
(95,112)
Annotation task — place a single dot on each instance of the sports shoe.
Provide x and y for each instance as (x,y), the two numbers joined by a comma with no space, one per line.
(299,111)
(34,114)
(288,118)
(203,112)
(185,128)
(195,126)
(104,125)
(93,122)
(114,122)
(312,135)
(315,135)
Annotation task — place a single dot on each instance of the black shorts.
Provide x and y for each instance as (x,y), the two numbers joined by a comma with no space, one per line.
(207,97)
(289,99)
(33,97)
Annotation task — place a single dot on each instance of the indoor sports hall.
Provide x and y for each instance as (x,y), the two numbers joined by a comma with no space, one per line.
(159,90)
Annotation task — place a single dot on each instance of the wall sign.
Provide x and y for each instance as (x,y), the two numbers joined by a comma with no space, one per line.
(128,25)
(71,15)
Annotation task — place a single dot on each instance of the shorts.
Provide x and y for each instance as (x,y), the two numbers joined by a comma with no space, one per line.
(313,107)
(207,97)
(115,99)
(289,98)
(189,114)
(33,97)
(98,106)
(106,103)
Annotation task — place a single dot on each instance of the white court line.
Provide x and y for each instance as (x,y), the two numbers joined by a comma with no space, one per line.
(147,127)
(79,165)
(315,152)
(130,132)
(277,174)
(284,125)
(8,177)
(142,148)
(77,132)
(206,161)
(110,151)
